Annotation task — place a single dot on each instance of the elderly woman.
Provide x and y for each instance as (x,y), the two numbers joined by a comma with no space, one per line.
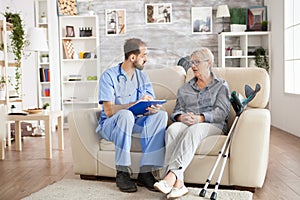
(202,109)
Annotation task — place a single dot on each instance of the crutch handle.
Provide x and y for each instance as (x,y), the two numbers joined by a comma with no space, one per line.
(236,104)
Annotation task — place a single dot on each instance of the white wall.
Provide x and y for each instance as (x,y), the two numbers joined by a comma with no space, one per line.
(285,108)
(29,65)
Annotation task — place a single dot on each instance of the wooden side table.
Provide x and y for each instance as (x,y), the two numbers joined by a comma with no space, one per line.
(47,117)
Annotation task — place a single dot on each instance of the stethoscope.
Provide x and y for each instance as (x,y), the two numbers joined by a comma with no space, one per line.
(122,76)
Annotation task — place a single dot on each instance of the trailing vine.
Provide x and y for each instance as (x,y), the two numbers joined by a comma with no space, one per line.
(18,43)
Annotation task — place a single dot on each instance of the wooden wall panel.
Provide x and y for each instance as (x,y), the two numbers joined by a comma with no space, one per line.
(167,43)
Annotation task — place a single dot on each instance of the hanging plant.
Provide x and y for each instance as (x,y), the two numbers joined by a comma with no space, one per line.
(18,43)
(2,83)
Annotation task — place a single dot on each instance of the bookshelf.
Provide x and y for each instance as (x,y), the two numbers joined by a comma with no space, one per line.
(80,71)
(43,61)
(48,71)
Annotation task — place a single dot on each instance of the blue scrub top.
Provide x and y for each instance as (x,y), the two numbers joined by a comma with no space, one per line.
(119,88)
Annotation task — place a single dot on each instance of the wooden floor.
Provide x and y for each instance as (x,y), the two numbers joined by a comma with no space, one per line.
(23,173)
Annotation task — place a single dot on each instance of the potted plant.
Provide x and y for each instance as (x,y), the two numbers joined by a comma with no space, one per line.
(45,58)
(2,88)
(91,12)
(264,25)
(13,108)
(43,18)
(261,59)
(46,106)
(18,43)
(237,19)
(1,51)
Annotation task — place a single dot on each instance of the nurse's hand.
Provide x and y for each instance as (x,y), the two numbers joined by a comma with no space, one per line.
(147,97)
(153,109)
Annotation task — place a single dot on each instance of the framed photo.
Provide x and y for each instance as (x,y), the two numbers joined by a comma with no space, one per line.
(255,16)
(159,13)
(70,31)
(67,7)
(68,49)
(115,21)
(201,20)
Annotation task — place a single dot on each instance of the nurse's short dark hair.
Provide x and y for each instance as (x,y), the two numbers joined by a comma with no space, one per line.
(132,46)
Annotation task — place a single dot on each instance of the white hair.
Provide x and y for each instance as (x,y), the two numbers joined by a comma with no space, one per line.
(204,54)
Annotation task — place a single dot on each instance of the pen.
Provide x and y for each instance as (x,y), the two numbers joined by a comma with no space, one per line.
(140,91)
(143,93)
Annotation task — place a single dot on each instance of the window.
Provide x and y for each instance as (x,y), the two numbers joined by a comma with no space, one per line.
(292,47)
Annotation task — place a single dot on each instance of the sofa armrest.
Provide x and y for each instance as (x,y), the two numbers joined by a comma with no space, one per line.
(249,151)
(84,140)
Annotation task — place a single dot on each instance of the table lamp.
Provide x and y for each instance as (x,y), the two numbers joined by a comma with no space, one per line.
(222,12)
(37,39)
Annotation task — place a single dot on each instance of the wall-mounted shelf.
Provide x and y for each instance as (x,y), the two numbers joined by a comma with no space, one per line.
(246,42)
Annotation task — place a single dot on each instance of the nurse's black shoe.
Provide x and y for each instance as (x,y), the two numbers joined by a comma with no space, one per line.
(146,180)
(123,180)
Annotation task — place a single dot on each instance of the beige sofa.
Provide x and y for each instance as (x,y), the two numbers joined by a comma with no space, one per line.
(249,150)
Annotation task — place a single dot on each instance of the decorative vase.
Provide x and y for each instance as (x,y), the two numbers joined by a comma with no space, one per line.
(251,63)
(43,20)
(44,59)
(2,94)
(91,12)
(264,28)
(1,55)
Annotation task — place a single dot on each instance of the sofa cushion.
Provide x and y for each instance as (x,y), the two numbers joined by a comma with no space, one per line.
(166,81)
(209,146)
(109,146)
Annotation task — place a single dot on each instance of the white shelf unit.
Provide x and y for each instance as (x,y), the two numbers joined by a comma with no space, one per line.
(4,27)
(82,92)
(44,86)
(8,67)
(247,42)
(7,70)
(4,100)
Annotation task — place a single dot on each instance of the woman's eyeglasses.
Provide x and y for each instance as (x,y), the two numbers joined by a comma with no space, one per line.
(196,62)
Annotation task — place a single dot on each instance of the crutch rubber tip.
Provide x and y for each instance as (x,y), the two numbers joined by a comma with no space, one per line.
(213,196)
(202,193)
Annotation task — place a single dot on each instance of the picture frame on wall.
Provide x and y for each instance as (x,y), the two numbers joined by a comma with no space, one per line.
(115,21)
(201,20)
(255,16)
(70,31)
(67,7)
(158,13)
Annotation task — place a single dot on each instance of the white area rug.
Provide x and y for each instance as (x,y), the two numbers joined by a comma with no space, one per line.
(67,189)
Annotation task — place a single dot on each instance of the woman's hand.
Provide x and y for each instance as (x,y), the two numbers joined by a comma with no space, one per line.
(190,118)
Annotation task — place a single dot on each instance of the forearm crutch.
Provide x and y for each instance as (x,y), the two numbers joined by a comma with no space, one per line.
(239,107)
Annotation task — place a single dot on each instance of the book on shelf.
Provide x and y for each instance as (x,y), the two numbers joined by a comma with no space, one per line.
(44,75)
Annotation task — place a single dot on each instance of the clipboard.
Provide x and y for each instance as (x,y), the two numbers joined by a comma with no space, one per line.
(139,107)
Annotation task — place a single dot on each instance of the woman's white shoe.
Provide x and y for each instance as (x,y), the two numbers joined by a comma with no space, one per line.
(177,192)
(162,186)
